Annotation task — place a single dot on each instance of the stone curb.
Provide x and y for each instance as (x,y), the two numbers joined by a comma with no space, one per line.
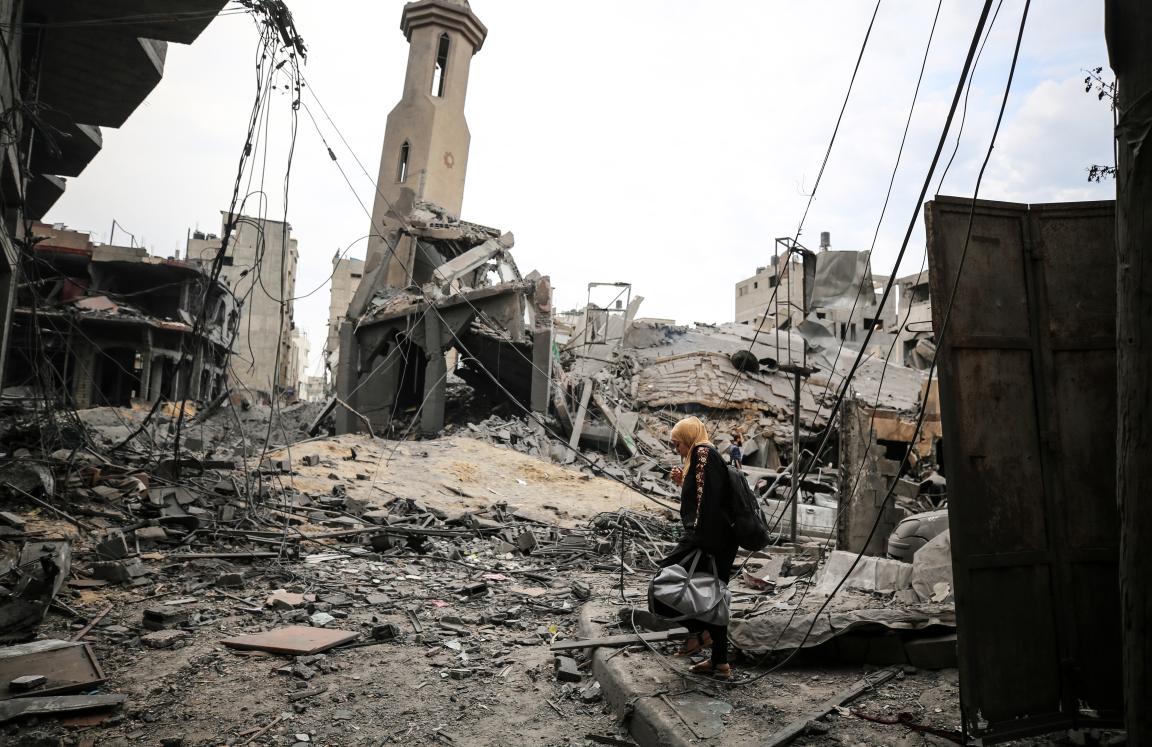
(652,723)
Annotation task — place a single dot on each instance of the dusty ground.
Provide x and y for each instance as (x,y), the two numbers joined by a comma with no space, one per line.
(456,474)
(399,692)
(465,670)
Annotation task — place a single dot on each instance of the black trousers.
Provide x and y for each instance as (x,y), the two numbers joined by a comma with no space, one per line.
(719,633)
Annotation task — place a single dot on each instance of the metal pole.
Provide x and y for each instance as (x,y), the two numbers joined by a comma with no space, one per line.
(795,499)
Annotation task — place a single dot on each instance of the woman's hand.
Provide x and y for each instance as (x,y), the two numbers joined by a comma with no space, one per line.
(678,476)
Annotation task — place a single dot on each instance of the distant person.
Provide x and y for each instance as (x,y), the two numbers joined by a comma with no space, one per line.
(736,452)
(703,482)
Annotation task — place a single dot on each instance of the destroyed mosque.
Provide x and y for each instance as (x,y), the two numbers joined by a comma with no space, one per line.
(447,534)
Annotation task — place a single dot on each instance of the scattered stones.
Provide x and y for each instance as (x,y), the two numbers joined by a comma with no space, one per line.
(320,619)
(284,600)
(165,638)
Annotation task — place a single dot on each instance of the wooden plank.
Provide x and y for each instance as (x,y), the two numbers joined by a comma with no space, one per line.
(798,727)
(298,640)
(615,641)
(220,555)
(69,666)
(11,709)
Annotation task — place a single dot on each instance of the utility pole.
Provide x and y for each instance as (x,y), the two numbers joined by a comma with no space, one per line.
(800,373)
(1128,28)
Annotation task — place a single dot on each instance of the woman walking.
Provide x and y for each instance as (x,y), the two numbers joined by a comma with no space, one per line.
(703,493)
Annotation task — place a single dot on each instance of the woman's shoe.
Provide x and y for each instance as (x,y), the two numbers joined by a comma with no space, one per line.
(719,672)
(694,643)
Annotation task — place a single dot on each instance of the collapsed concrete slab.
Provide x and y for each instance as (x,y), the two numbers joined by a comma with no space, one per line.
(460,295)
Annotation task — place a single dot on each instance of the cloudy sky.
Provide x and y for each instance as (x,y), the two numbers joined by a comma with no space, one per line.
(659,142)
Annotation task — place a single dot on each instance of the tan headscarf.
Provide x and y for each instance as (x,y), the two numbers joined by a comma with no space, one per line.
(690,431)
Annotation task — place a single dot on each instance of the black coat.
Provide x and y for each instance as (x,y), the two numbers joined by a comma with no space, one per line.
(706,485)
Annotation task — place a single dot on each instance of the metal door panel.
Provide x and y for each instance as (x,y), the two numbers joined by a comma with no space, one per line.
(1027,383)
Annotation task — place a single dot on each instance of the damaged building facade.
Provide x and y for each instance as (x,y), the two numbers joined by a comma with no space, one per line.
(346,275)
(107,325)
(78,75)
(260,270)
(433,283)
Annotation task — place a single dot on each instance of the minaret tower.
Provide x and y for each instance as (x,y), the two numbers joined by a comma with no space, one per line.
(426,140)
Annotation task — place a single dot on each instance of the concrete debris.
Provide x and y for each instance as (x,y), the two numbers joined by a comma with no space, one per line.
(932,570)
(328,553)
(567,670)
(165,638)
(30,586)
(879,575)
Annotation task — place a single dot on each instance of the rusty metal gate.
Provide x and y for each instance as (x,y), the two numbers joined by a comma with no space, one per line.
(1028,394)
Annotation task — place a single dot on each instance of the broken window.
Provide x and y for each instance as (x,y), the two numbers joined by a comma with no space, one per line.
(440,72)
(755,284)
(402,165)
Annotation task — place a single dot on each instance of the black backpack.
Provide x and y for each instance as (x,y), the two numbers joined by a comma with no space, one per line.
(749,525)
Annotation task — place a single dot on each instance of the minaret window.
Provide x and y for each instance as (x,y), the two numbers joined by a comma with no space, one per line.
(402,164)
(440,73)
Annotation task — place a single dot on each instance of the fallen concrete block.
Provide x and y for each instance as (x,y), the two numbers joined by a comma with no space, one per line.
(164,618)
(151,534)
(230,581)
(27,683)
(566,669)
(879,575)
(320,619)
(284,600)
(119,571)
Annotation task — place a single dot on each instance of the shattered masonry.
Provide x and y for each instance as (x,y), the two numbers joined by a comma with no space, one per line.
(107,325)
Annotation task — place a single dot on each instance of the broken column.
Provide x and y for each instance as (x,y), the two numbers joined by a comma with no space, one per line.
(865,475)
(541,345)
(346,379)
(435,375)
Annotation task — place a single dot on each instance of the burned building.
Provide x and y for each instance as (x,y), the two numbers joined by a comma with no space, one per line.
(106,325)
